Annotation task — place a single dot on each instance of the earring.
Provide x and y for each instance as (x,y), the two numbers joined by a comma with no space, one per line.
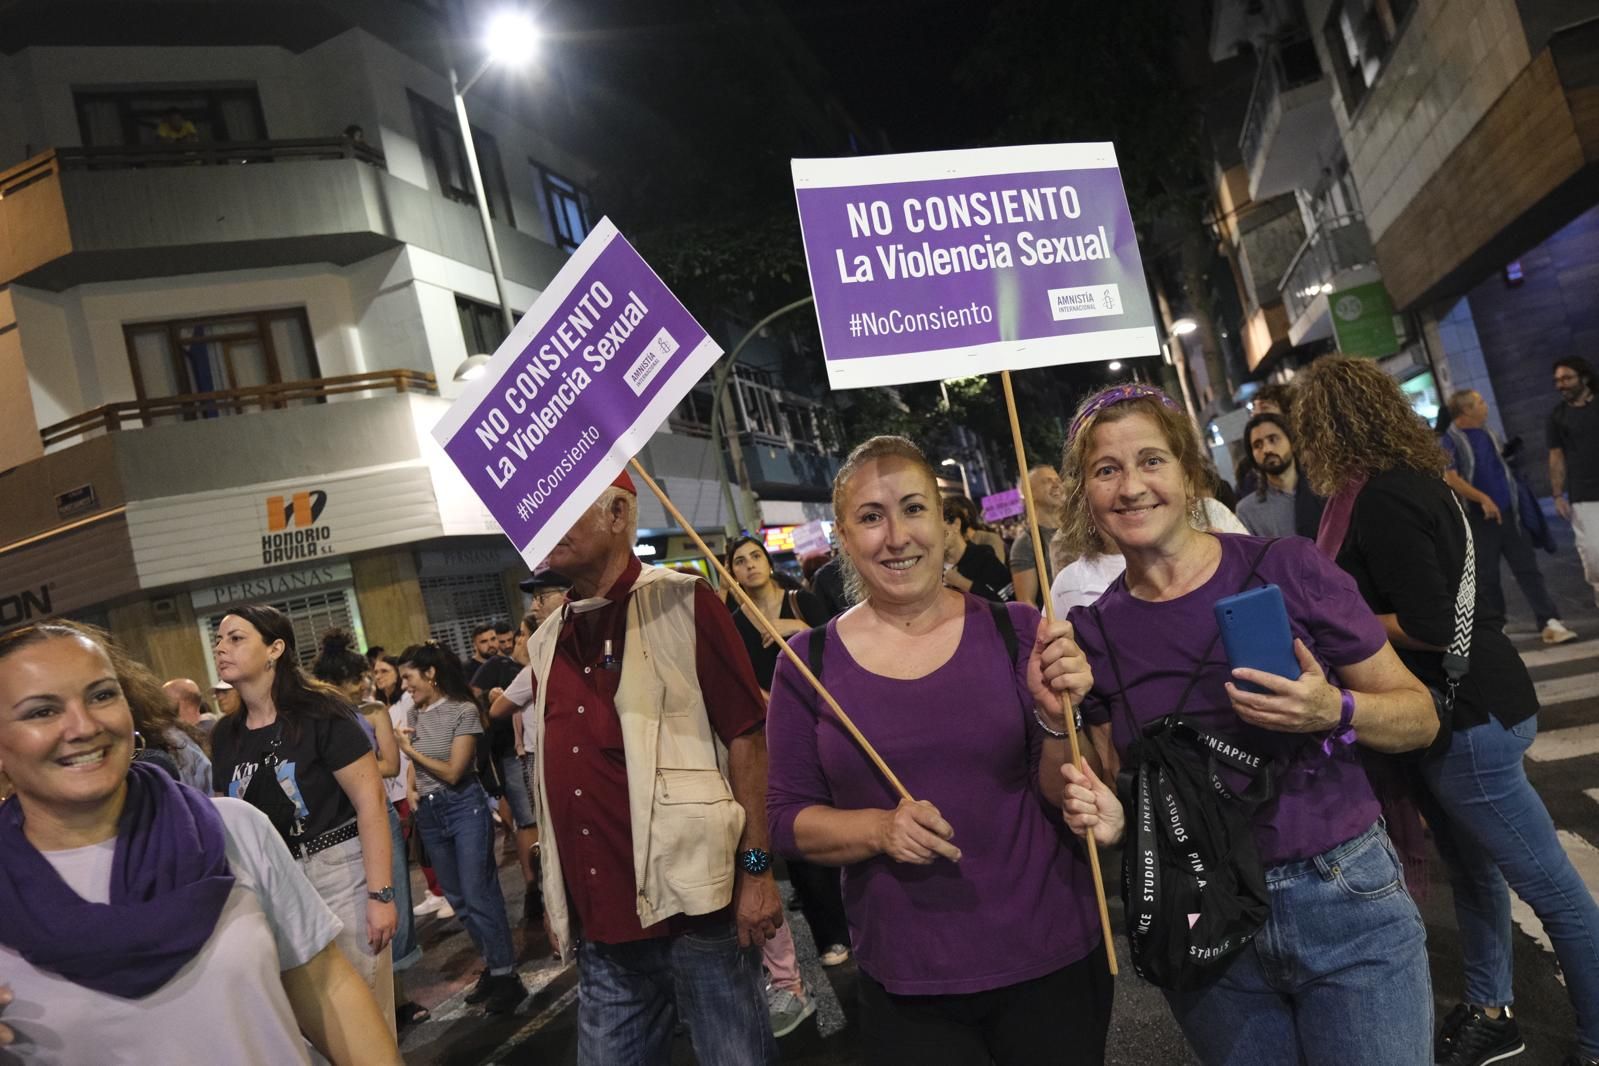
(138,741)
(1196,512)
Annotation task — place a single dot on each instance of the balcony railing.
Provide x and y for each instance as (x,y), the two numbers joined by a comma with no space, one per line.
(221,153)
(1288,64)
(197,405)
(1336,244)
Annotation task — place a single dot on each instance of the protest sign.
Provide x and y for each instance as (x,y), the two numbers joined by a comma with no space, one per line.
(585,378)
(1005,504)
(812,539)
(947,264)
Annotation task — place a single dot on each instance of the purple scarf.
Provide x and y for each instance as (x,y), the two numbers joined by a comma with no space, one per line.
(169,883)
(1335,518)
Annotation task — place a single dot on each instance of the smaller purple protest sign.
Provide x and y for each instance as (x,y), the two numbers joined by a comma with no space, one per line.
(585,378)
(937,265)
(1003,505)
(812,539)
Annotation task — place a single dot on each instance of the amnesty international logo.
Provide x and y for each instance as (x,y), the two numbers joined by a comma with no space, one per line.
(293,529)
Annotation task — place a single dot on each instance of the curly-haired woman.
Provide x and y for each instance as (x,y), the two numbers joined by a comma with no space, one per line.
(1394,525)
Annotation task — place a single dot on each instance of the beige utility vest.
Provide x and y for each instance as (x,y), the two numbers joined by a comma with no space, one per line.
(686,824)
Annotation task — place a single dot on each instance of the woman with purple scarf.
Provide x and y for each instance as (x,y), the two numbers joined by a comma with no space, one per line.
(136,913)
(1395,526)
(1338,974)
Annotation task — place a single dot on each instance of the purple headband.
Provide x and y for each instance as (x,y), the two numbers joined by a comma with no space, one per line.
(1113,396)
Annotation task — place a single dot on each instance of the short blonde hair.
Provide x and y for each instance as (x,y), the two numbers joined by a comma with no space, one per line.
(884,447)
(1078,535)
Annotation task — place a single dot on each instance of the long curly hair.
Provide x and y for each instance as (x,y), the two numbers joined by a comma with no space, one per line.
(1351,420)
(1078,535)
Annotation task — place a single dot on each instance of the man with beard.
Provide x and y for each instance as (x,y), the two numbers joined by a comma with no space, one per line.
(1574,460)
(1282,505)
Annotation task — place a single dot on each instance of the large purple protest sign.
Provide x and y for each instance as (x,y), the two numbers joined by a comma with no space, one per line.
(585,378)
(947,264)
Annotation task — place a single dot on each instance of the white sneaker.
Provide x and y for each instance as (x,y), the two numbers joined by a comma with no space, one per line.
(444,909)
(835,955)
(787,1010)
(430,905)
(1556,632)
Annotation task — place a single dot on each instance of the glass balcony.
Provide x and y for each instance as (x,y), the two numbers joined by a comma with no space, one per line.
(1337,245)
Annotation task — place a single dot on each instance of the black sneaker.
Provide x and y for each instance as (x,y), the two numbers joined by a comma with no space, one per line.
(1478,1040)
(506,992)
(481,990)
(1578,1060)
(1446,1033)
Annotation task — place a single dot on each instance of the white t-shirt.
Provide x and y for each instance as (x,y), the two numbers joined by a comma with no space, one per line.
(226,1005)
(1085,580)
(399,714)
(520,692)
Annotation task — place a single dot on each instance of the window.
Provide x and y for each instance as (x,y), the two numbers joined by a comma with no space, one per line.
(439,134)
(220,354)
(482,326)
(569,218)
(134,117)
(311,614)
(458,603)
(1360,34)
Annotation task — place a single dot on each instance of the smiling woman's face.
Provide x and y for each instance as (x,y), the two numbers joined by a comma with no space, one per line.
(66,731)
(1134,484)
(893,530)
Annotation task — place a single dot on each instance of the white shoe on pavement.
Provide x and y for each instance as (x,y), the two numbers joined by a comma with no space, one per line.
(787,1010)
(1556,632)
(429,905)
(444,910)
(835,955)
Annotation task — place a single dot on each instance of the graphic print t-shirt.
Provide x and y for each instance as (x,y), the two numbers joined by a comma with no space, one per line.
(304,768)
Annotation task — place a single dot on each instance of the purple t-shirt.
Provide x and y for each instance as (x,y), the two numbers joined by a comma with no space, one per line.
(1322,800)
(1020,903)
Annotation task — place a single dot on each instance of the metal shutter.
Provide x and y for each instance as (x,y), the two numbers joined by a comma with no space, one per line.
(458,603)
(312,614)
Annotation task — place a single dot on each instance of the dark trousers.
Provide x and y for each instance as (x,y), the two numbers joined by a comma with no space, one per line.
(1061,1018)
(821,901)
(1506,538)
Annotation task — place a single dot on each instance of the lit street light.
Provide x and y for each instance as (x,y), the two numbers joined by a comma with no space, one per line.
(512,39)
(1183,327)
(966,486)
(1115,364)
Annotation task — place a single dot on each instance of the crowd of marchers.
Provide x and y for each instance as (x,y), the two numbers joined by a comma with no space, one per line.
(230,879)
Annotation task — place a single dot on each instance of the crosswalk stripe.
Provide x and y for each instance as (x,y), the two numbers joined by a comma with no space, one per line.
(1561,653)
(1559,744)
(1567,689)
(538,1021)
(1585,857)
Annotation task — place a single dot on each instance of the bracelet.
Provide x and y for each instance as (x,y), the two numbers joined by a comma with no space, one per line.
(1344,731)
(1058,734)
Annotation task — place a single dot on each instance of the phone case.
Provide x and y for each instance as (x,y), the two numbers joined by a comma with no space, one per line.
(1254,630)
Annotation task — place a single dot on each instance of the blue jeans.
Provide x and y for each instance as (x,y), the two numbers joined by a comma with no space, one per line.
(407,949)
(630,996)
(458,830)
(1338,975)
(1491,827)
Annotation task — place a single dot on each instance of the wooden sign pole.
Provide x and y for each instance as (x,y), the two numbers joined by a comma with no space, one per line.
(1040,555)
(760,620)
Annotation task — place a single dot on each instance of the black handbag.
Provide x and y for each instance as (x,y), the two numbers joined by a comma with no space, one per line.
(1193,883)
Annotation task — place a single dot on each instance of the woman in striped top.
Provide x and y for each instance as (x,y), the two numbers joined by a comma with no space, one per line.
(453,813)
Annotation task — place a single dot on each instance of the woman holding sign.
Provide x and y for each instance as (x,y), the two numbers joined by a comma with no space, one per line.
(971,914)
(1338,971)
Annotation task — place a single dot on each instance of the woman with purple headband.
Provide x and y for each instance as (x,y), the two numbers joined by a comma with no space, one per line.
(1339,972)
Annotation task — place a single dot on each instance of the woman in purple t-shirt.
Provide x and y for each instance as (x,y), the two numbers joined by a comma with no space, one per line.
(971,911)
(1339,972)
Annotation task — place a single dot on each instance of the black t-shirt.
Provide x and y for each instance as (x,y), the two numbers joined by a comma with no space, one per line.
(1575,431)
(1406,550)
(828,585)
(498,672)
(796,604)
(304,769)
(990,578)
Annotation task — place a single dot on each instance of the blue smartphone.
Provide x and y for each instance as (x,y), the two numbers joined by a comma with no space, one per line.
(1254,629)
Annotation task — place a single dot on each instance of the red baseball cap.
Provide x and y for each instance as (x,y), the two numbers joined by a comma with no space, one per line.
(624,483)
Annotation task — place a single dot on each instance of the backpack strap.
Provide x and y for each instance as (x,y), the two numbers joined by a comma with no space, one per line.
(1007,629)
(816,644)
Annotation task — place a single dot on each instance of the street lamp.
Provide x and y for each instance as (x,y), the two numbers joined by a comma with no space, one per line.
(966,486)
(1183,327)
(512,38)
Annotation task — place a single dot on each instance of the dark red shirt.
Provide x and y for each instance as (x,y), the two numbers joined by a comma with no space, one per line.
(585,768)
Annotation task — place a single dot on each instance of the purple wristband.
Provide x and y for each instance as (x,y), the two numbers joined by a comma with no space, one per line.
(1344,731)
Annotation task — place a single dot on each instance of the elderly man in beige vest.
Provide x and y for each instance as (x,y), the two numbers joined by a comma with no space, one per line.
(650,767)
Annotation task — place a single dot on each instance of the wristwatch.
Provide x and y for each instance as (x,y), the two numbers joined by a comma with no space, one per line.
(382,895)
(754,861)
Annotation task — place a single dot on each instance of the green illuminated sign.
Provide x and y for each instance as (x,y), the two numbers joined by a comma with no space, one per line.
(1363,321)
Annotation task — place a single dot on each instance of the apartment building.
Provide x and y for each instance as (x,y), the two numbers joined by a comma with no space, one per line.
(241,264)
